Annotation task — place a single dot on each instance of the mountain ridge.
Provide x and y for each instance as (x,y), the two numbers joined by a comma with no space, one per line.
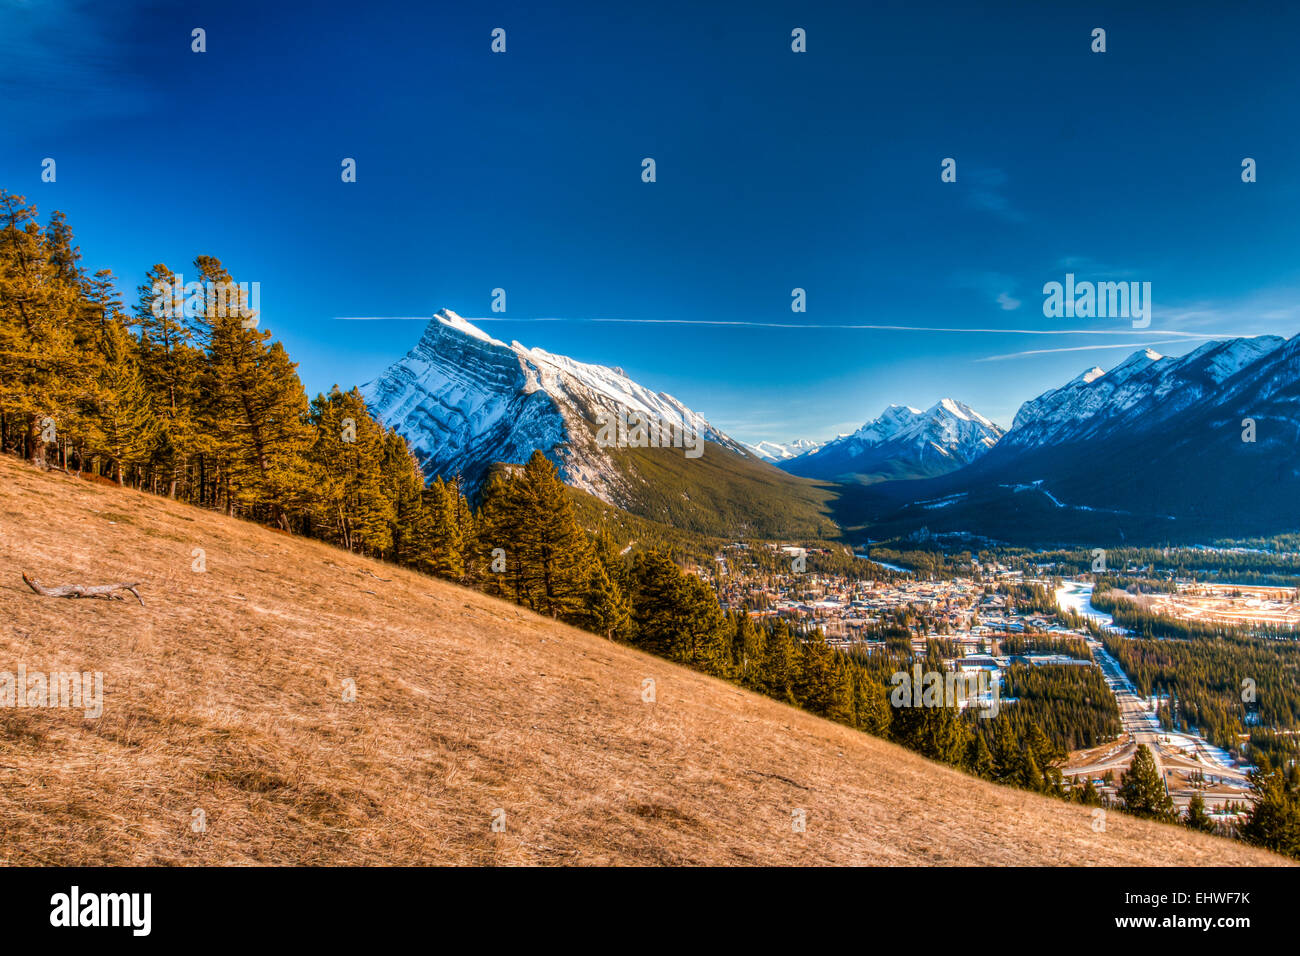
(466,402)
(902,442)
(1153,449)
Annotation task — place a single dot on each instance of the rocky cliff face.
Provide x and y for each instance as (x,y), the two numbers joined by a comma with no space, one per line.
(464,401)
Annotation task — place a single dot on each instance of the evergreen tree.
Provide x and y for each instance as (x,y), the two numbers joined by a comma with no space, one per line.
(676,615)
(1006,751)
(1029,776)
(1047,757)
(352,501)
(443,554)
(171,365)
(606,610)
(39,305)
(815,669)
(467,532)
(124,427)
(255,409)
(871,705)
(1141,790)
(1273,820)
(497,524)
(748,649)
(980,761)
(403,483)
(780,663)
(548,556)
(1197,818)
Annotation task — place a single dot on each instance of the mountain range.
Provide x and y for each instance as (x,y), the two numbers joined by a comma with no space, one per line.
(903,442)
(1155,448)
(783,451)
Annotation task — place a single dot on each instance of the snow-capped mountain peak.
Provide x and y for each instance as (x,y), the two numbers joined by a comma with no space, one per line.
(783,451)
(465,400)
(1146,386)
(904,442)
(453,321)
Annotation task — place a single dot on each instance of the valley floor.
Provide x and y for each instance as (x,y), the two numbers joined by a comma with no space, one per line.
(225,704)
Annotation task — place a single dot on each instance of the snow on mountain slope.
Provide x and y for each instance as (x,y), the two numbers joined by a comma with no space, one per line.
(783,451)
(1144,389)
(464,400)
(904,442)
(1154,449)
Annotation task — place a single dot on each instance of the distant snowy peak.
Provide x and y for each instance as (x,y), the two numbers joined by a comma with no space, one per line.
(947,422)
(465,400)
(1146,387)
(784,451)
(1154,449)
(904,442)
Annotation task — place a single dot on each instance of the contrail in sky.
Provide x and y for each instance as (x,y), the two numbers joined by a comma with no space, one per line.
(796,325)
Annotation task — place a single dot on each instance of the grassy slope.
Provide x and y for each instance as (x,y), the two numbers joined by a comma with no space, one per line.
(225,694)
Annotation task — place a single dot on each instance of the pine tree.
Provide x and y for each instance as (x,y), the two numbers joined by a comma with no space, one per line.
(840,704)
(467,532)
(871,705)
(352,501)
(1273,820)
(780,663)
(606,610)
(813,682)
(1006,751)
(497,527)
(548,557)
(748,648)
(404,485)
(553,549)
(171,365)
(676,615)
(1029,776)
(255,410)
(443,554)
(39,306)
(1197,818)
(124,426)
(980,761)
(1141,790)
(1047,756)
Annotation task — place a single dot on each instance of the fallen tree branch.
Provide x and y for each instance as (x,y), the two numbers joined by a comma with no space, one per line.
(83,590)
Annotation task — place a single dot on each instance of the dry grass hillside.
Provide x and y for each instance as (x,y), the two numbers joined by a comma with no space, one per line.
(226,694)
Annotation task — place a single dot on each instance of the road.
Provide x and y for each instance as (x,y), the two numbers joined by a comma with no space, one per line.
(1140,724)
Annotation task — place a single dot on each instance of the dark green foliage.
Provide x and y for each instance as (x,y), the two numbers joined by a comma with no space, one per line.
(1197,818)
(677,616)
(1273,821)
(1205,678)
(1142,791)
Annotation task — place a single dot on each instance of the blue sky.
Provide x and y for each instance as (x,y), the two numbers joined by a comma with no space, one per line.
(775,170)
